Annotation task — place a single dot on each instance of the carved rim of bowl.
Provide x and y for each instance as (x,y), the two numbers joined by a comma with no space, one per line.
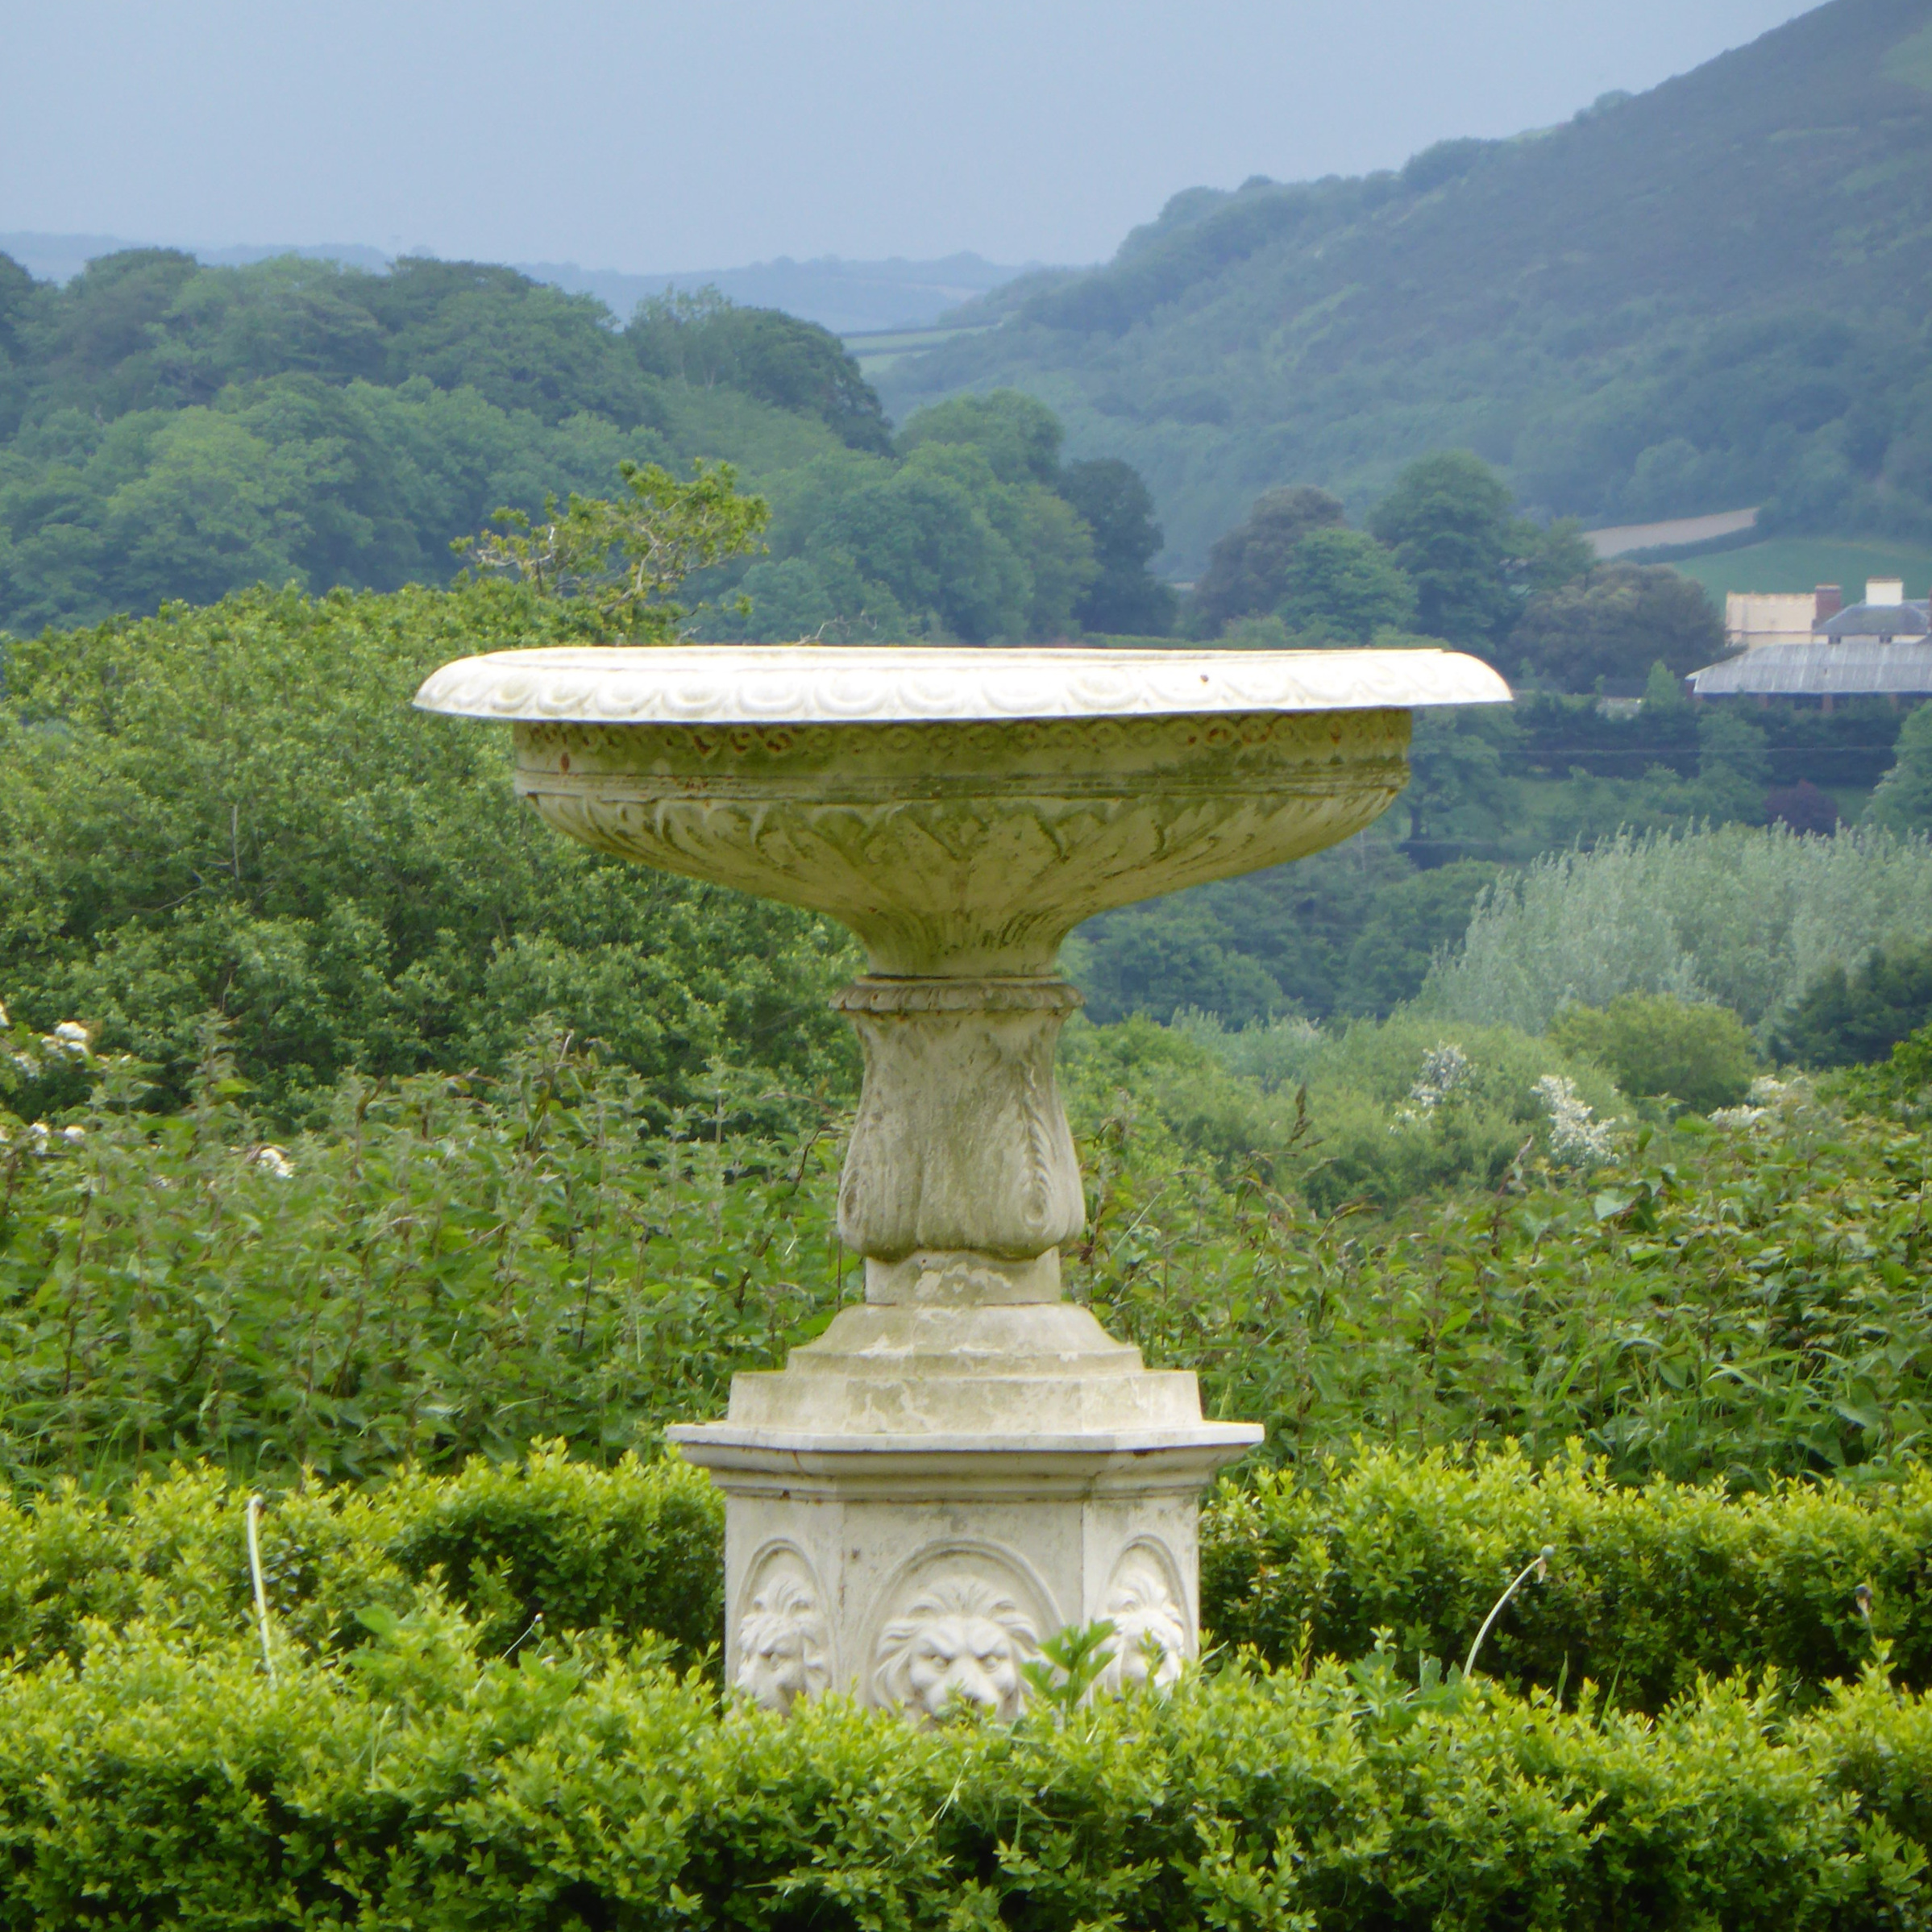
(825,683)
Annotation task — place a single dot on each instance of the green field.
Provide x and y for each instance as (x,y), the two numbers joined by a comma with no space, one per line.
(874,350)
(1799,563)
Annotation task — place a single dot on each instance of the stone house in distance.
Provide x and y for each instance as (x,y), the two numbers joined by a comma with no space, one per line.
(1815,645)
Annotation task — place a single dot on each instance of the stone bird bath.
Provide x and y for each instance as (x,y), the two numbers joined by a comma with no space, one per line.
(964,1463)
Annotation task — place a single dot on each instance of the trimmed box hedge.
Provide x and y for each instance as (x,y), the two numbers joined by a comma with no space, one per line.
(420,1782)
(493,1706)
(1648,1590)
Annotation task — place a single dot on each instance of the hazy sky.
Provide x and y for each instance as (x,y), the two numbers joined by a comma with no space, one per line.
(636,135)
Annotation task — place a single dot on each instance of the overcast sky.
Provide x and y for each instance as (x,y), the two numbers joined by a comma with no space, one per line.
(640,136)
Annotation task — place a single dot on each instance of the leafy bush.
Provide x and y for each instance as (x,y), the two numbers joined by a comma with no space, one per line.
(1390,1111)
(235,810)
(543,1544)
(1735,1300)
(1646,1589)
(459,1266)
(451,1266)
(1656,1046)
(1744,916)
(422,1781)
(1804,807)
(1844,1017)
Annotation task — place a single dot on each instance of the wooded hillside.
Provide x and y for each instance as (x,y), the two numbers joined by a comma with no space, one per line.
(1712,294)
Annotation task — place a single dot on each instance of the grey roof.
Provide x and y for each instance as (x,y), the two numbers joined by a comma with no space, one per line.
(1906,620)
(1857,668)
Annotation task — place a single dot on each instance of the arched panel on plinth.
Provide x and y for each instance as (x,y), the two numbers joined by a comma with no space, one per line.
(958,1622)
(1146,1604)
(783,1649)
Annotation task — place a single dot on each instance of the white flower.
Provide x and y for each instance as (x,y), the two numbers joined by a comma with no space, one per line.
(73,1135)
(37,1136)
(1737,1116)
(272,1160)
(69,1039)
(1444,1068)
(27,1063)
(4,1020)
(1766,1091)
(1575,1138)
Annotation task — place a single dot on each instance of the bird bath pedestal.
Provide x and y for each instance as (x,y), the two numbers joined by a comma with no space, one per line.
(964,1463)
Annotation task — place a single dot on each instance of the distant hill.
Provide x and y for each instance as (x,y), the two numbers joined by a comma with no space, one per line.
(59,258)
(845,297)
(1711,294)
(848,297)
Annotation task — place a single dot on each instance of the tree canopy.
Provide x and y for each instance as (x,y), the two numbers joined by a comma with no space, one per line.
(1342,584)
(1615,624)
(234,810)
(171,430)
(1444,555)
(1247,573)
(1448,522)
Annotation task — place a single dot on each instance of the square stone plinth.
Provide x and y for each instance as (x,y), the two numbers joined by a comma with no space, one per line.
(918,1570)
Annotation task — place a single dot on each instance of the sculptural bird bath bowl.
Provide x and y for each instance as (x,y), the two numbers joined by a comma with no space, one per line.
(965,1460)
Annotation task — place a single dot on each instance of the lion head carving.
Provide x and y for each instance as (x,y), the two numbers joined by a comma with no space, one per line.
(1141,1605)
(960,1641)
(783,1650)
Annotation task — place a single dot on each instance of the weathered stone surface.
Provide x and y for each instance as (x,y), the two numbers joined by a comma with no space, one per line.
(961,1142)
(958,850)
(964,1463)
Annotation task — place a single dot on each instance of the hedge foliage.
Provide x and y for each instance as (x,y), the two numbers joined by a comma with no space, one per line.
(1648,1590)
(424,1781)
(543,1544)
(493,1703)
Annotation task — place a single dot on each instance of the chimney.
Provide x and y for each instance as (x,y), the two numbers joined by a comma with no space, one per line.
(1827,600)
(1884,590)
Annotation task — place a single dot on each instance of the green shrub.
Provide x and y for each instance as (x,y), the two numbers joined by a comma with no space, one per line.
(456,1267)
(236,809)
(1849,1015)
(1730,1299)
(1655,1046)
(1382,1112)
(635,1551)
(1647,1589)
(1168,1080)
(1397,1110)
(422,1782)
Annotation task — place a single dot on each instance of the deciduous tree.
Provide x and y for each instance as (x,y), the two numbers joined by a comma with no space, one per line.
(1247,573)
